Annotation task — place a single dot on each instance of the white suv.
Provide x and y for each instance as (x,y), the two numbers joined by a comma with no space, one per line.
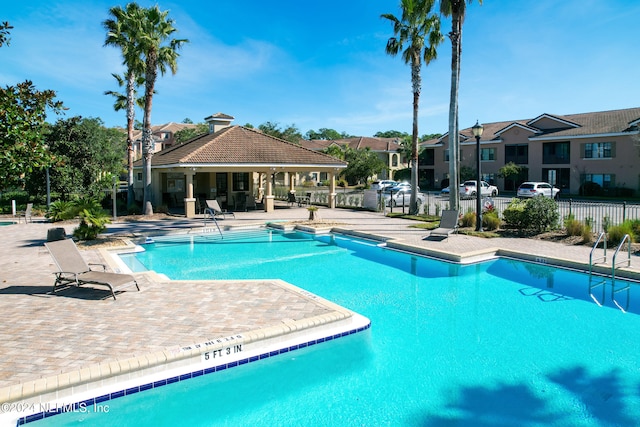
(537,189)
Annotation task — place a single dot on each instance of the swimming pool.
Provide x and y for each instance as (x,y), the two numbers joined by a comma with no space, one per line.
(501,342)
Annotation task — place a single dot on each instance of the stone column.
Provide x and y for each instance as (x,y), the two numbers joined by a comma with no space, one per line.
(332,190)
(269,203)
(189,201)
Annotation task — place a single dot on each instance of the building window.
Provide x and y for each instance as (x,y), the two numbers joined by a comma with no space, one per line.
(604,180)
(446,155)
(598,150)
(487,154)
(518,154)
(555,153)
(240,181)
(139,176)
(394,160)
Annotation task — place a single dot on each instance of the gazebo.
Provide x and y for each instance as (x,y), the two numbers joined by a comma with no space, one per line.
(232,164)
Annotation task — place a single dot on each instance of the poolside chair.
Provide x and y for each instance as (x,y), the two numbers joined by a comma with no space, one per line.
(26,214)
(74,270)
(448,224)
(291,198)
(214,209)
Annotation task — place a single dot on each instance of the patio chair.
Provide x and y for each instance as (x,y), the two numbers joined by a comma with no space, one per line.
(291,198)
(26,214)
(214,209)
(448,224)
(74,270)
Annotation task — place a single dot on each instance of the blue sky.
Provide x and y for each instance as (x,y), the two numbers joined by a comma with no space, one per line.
(322,64)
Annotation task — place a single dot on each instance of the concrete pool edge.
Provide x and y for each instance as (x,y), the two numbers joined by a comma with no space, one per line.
(44,397)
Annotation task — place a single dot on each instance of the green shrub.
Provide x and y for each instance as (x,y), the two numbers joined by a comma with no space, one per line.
(514,215)
(573,227)
(91,224)
(61,210)
(490,221)
(468,220)
(615,233)
(541,213)
(587,234)
(134,209)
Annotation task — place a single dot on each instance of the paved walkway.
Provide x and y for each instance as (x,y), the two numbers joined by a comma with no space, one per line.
(44,335)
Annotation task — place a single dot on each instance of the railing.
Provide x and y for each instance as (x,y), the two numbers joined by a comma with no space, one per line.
(602,236)
(627,239)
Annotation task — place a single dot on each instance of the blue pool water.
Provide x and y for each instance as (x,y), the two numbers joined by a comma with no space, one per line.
(498,343)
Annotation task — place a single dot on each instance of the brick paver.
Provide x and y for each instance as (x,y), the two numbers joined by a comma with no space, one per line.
(44,335)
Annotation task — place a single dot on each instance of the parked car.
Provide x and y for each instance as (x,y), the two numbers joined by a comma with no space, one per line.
(381,185)
(537,189)
(468,189)
(401,196)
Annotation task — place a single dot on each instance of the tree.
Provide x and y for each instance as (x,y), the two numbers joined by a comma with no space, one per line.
(155,43)
(85,155)
(418,33)
(363,163)
(326,134)
(188,133)
(4,33)
(291,133)
(121,33)
(456,10)
(23,111)
(391,134)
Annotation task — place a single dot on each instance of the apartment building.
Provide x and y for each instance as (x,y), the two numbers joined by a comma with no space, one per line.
(572,152)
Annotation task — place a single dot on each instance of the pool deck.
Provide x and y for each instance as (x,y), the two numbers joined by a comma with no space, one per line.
(46,337)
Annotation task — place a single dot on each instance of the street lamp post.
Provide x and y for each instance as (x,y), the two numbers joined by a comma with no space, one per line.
(477,132)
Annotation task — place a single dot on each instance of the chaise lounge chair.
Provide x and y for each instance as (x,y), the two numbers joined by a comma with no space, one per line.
(214,209)
(448,224)
(74,270)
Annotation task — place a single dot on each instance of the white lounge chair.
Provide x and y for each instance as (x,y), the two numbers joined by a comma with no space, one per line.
(74,270)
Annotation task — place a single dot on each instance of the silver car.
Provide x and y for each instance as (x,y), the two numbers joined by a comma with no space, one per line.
(537,189)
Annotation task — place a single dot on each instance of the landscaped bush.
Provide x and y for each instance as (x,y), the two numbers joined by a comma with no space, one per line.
(537,214)
(468,220)
(91,224)
(541,213)
(490,221)
(574,227)
(514,214)
(615,233)
(61,210)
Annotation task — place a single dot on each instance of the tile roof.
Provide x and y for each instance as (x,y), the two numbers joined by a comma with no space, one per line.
(172,127)
(238,145)
(596,123)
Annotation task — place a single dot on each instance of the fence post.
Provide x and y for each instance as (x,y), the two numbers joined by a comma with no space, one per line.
(570,200)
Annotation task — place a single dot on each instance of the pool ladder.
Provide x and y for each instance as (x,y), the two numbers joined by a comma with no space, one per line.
(614,292)
(212,217)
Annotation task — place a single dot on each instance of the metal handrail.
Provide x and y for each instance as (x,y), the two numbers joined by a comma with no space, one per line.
(604,257)
(211,215)
(627,239)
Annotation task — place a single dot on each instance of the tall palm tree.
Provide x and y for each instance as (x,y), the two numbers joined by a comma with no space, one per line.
(417,34)
(159,51)
(122,29)
(456,9)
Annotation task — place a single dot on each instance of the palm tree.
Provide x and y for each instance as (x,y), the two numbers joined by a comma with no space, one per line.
(418,33)
(159,51)
(121,33)
(456,10)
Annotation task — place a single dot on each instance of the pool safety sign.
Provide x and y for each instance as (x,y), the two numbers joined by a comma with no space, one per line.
(226,346)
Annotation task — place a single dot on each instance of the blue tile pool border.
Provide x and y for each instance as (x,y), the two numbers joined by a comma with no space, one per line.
(157,384)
